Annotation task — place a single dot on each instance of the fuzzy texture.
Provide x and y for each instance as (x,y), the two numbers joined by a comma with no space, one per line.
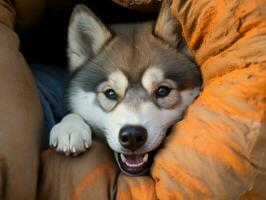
(141,5)
(218,150)
(228,41)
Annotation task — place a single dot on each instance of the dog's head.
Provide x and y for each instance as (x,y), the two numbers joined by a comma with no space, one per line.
(130,82)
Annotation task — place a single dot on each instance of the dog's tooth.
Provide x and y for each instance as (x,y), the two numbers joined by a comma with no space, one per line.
(123,158)
(134,165)
(145,159)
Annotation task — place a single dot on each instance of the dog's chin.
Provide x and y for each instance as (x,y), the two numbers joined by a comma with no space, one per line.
(135,164)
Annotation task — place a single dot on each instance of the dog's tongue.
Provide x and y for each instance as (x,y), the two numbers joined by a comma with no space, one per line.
(133,159)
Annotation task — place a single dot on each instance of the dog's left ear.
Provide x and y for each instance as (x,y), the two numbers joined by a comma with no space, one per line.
(86,36)
(168,29)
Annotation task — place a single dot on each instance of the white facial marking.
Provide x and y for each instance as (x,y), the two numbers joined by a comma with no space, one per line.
(119,82)
(151,76)
(188,96)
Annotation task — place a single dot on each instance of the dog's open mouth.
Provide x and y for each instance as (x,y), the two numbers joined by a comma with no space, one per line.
(133,165)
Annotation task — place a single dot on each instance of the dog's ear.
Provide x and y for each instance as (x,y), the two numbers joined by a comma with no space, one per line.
(168,29)
(86,36)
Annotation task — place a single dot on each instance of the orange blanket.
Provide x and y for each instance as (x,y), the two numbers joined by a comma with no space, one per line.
(219,150)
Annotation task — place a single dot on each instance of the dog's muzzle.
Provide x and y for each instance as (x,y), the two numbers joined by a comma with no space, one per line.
(133,137)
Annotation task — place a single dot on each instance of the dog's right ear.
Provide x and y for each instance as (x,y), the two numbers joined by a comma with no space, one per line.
(86,36)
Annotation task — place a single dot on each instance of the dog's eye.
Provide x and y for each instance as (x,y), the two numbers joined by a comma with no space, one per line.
(162,91)
(110,94)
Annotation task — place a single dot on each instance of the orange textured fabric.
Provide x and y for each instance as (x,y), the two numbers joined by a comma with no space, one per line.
(137,188)
(218,150)
(88,176)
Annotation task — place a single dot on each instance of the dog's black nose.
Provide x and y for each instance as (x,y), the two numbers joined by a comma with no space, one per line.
(132,137)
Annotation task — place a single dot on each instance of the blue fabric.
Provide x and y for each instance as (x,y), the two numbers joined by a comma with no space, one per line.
(51,83)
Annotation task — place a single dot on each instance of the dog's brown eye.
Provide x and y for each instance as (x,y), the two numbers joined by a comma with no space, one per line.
(110,94)
(162,91)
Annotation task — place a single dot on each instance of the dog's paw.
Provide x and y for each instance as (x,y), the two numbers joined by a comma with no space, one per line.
(71,136)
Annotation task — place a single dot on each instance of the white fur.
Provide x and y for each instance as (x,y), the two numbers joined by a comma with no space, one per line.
(71,135)
(119,81)
(151,76)
(84,104)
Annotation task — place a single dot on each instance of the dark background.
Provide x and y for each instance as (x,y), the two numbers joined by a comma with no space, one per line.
(46,42)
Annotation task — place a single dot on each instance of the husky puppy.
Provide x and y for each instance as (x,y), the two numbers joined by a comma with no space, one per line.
(130,83)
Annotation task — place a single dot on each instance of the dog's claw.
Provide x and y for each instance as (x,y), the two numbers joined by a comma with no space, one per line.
(74,150)
(64,141)
(66,151)
(86,145)
(55,143)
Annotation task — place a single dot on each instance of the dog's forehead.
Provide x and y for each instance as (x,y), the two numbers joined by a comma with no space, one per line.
(141,59)
(133,50)
(137,62)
